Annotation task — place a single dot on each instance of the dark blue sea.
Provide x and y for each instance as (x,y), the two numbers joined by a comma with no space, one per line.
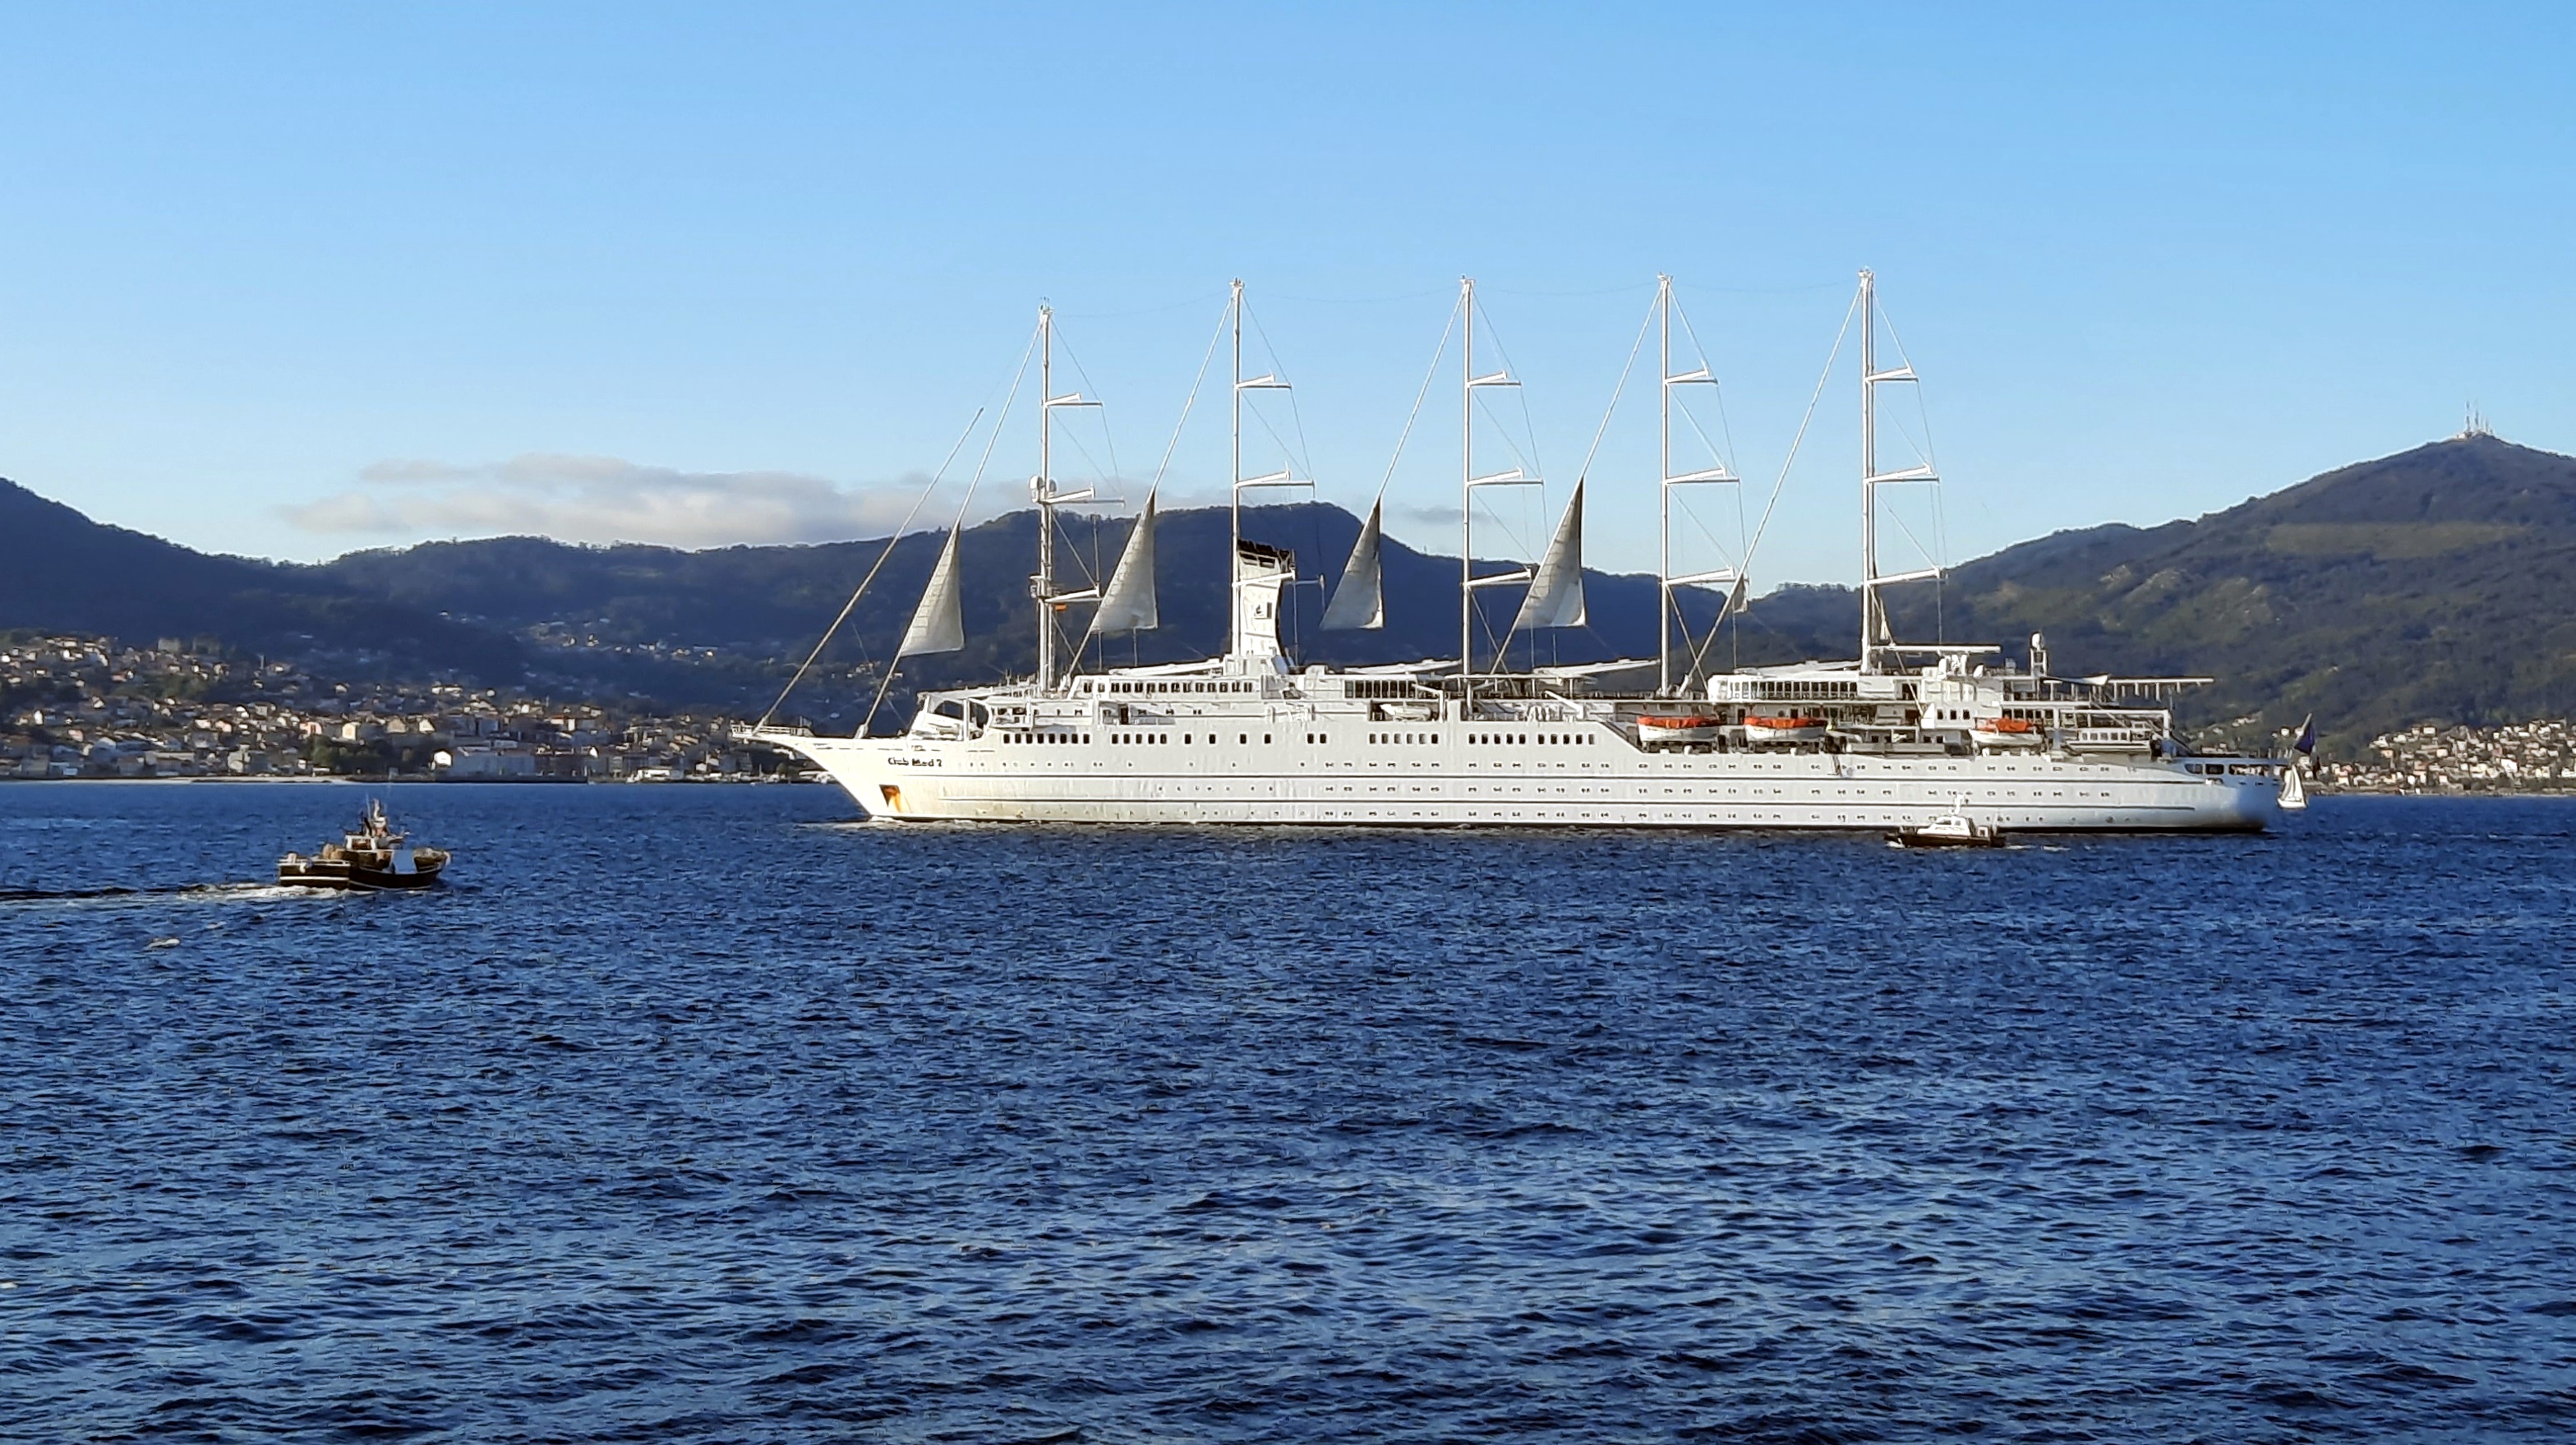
(705,1114)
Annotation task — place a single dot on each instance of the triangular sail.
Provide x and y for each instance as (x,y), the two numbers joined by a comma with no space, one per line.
(1555,597)
(1128,603)
(2294,789)
(939,623)
(1359,601)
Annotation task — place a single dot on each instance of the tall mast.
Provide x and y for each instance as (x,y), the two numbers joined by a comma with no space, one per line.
(1286,476)
(1042,587)
(1664,493)
(1875,635)
(1466,473)
(1717,475)
(1468,482)
(1869,624)
(1235,493)
(1042,488)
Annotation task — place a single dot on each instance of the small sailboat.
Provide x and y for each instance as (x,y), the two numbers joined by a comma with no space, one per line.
(1954,829)
(2294,787)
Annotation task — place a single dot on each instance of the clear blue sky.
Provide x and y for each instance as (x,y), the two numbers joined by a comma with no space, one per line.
(270,276)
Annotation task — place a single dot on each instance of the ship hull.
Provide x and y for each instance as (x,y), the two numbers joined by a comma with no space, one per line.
(1581,786)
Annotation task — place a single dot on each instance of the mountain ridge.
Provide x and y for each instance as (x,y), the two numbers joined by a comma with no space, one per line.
(2436,584)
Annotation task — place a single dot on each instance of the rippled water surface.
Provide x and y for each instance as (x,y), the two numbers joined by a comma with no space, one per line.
(703,1114)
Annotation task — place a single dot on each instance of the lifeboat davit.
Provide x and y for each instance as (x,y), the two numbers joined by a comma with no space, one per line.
(1759,730)
(1661,732)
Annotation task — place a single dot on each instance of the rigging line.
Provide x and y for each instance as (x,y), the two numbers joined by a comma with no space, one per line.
(1726,428)
(1448,290)
(1197,300)
(1603,291)
(1803,423)
(1726,610)
(1616,392)
(1529,428)
(1923,409)
(1726,456)
(1771,290)
(1017,374)
(891,538)
(1725,423)
(1187,404)
(1107,435)
(992,439)
(1841,334)
(1415,415)
(1894,516)
(1297,413)
(1510,442)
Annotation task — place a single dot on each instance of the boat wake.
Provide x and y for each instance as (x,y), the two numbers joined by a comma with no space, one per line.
(176,890)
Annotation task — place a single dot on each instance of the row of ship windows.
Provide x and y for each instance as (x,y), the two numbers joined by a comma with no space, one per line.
(1024,739)
(1162,688)
(1376,739)
(1545,740)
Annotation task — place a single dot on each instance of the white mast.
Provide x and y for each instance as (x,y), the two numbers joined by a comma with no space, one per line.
(1874,634)
(1468,482)
(1466,474)
(1664,578)
(1042,488)
(1234,472)
(1284,477)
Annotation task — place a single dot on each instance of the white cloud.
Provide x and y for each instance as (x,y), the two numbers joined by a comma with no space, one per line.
(607,499)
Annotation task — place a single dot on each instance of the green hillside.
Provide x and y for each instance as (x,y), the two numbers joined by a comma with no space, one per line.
(2437,585)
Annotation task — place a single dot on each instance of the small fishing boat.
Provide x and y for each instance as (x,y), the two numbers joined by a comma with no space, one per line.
(1953,829)
(370,856)
(1761,731)
(1668,732)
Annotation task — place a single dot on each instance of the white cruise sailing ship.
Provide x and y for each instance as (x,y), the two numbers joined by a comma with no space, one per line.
(1894,737)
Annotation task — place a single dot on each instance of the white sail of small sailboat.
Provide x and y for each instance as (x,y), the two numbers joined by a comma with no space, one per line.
(1555,596)
(1128,603)
(2294,788)
(1359,600)
(939,623)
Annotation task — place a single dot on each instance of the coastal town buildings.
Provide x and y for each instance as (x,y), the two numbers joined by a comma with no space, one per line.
(91,707)
(2515,758)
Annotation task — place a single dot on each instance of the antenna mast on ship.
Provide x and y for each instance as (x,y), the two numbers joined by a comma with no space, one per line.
(1875,636)
(1042,489)
(1708,476)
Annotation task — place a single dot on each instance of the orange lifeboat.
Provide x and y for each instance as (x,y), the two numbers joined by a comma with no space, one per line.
(2009,732)
(1784,729)
(1658,732)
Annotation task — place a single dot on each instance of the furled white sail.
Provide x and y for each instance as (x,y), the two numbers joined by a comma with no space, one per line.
(1128,604)
(1359,601)
(1555,597)
(939,623)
